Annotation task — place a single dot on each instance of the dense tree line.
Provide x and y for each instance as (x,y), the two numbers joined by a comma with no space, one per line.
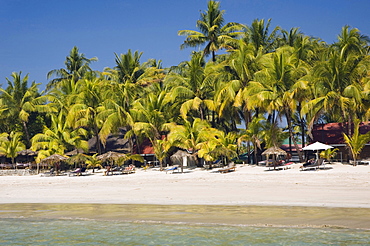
(225,100)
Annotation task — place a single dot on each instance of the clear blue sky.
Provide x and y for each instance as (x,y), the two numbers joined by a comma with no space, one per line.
(37,35)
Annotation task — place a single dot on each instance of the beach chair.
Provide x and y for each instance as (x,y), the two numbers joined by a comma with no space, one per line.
(77,172)
(313,166)
(49,173)
(231,167)
(174,168)
(129,169)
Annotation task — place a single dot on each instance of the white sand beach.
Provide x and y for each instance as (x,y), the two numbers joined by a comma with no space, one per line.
(341,186)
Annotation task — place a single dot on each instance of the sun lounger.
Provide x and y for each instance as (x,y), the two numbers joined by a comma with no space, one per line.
(314,166)
(174,168)
(281,166)
(129,169)
(77,172)
(231,167)
(48,173)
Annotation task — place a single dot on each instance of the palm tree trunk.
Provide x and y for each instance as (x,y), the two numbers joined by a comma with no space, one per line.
(97,145)
(27,134)
(290,127)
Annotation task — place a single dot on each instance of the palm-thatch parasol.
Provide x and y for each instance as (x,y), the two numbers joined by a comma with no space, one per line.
(274,151)
(55,159)
(27,152)
(182,158)
(110,156)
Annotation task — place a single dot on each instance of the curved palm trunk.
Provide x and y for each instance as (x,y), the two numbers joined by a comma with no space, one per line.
(288,117)
(97,145)
(27,134)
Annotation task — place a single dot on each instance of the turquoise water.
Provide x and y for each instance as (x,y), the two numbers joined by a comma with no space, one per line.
(118,224)
(93,232)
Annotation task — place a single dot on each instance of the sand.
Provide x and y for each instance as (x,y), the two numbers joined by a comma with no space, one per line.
(342,186)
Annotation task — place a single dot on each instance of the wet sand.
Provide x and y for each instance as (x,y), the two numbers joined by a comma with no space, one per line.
(336,197)
(260,216)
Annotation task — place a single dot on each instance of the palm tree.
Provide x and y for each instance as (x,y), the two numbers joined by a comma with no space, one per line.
(11,144)
(357,141)
(351,41)
(94,162)
(77,65)
(189,135)
(258,35)
(161,149)
(273,87)
(192,85)
(226,147)
(254,135)
(87,105)
(337,87)
(58,138)
(212,31)
(19,101)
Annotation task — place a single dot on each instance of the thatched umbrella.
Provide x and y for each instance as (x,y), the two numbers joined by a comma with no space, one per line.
(274,151)
(55,158)
(182,156)
(110,156)
(27,153)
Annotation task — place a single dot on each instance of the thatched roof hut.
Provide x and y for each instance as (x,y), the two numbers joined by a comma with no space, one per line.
(178,158)
(274,151)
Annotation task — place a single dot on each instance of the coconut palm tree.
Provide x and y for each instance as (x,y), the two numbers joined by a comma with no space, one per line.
(19,100)
(192,85)
(272,89)
(337,87)
(88,103)
(77,65)
(58,138)
(253,135)
(161,148)
(94,162)
(259,36)
(357,141)
(212,31)
(11,144)
(189,135)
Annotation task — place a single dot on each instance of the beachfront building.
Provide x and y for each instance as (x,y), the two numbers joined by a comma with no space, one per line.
(332,134)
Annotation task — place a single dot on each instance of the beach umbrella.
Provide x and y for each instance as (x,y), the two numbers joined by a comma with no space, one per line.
(317,146)
(55,158)
(27,152)
(110,156)
(274,151)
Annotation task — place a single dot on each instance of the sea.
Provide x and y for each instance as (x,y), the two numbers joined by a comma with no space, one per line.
(115,224)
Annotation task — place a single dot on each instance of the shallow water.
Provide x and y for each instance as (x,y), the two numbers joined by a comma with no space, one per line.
(100,224)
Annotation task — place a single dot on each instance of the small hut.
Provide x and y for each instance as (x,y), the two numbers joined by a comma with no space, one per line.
(183,158)
(275,152)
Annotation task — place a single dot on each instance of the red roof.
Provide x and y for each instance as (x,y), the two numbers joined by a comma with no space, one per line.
(332,133)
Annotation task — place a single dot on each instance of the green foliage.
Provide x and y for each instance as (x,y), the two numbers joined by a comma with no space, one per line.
(357,141)
(11,144)
(199,104)
(329,154)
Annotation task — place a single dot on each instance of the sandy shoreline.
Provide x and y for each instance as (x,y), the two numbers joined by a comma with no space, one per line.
(341,186)
(338,197)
